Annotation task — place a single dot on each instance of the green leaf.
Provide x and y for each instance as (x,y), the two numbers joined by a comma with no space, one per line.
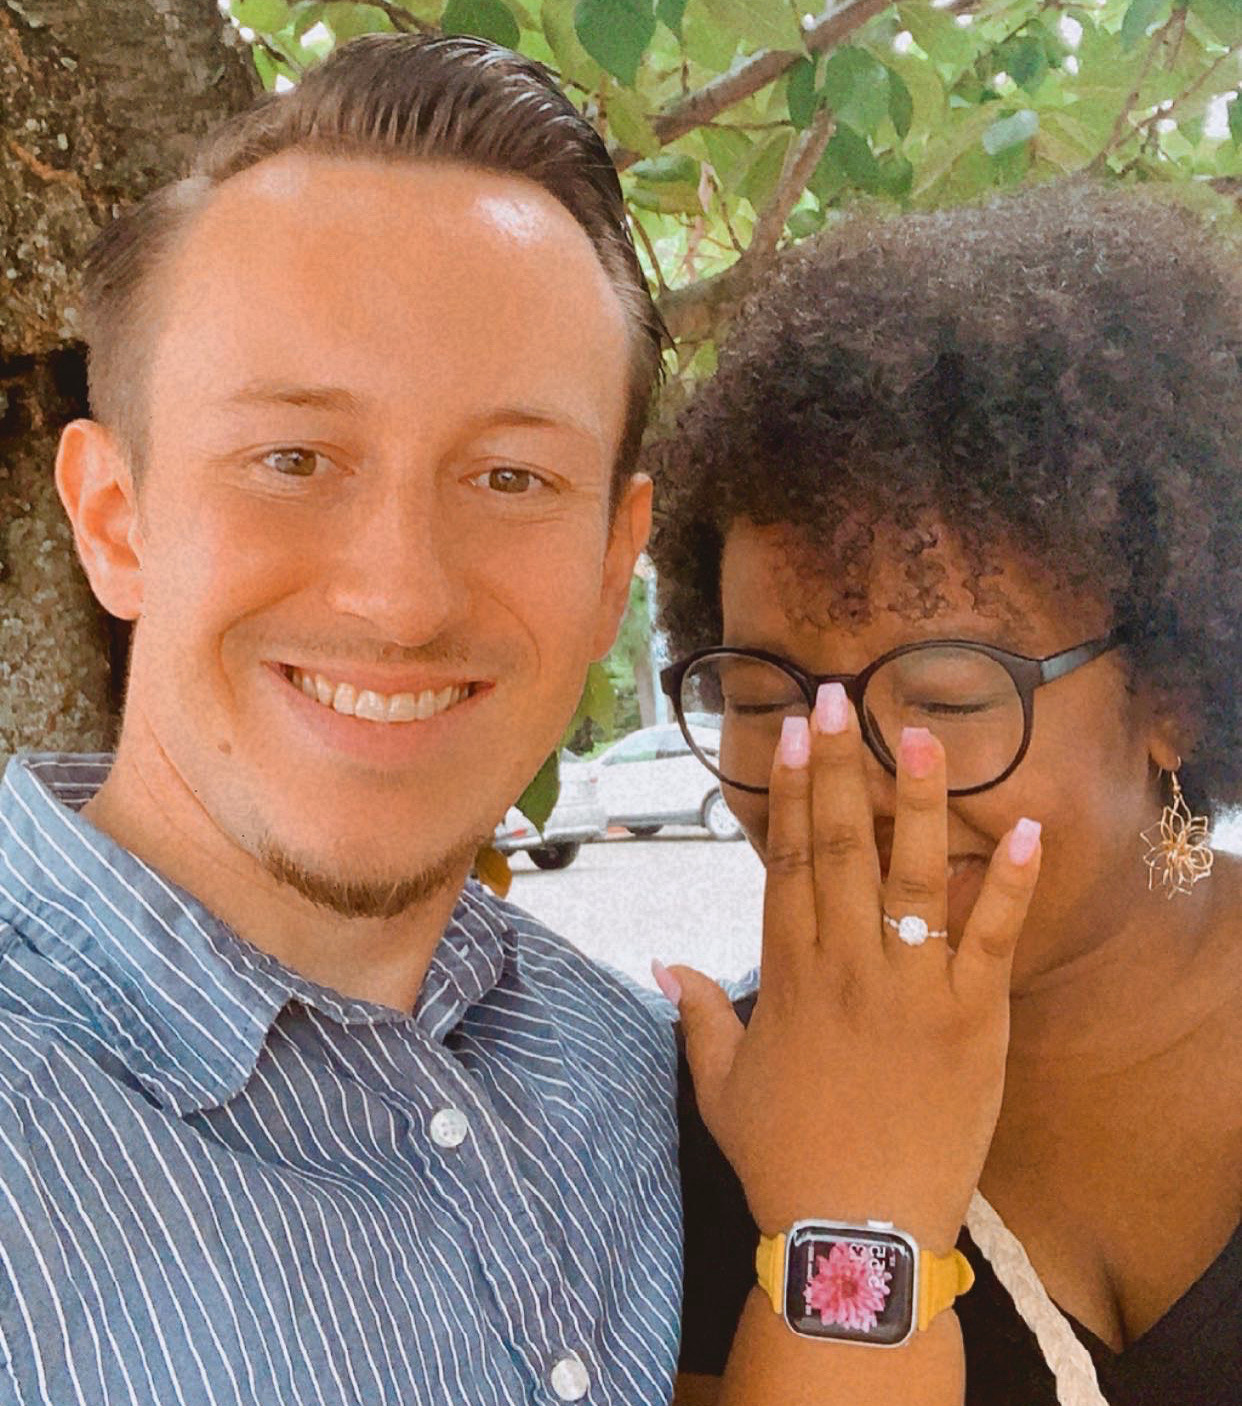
(767,24)
(1235,120)
(805,222)
(729,151)
(801,93)
(539,798)
(668,183)
(573,61)
(265,67)
(922,82)
(349,21)
(828,180)
(765,170)
(263,16)
(855,86)
(855,158)
(705,42)
(937,35)
(1026,61)
(598,703)
(1222,18)
(670,12)
(629,122)
(1010,131)
(616,33)
(489,19)
(896,177)
(1139,18)
(900,103)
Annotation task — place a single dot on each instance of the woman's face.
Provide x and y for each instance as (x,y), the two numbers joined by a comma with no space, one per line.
(1088,775)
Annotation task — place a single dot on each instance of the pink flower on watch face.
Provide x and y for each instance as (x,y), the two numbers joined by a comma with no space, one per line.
(850,1287)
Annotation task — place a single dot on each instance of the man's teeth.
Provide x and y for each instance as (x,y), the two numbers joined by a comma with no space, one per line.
(377,707)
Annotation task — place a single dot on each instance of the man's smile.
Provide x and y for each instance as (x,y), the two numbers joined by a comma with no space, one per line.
(370,704)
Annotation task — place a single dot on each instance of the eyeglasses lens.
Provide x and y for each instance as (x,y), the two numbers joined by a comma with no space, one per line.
(968,700)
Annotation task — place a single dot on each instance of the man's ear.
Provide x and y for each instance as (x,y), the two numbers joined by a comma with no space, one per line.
(96,487)
(631,526)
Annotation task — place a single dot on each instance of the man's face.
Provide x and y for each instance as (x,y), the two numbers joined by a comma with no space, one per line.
(384,402)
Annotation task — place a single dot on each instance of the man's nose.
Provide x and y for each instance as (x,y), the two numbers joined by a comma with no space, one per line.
(401,568)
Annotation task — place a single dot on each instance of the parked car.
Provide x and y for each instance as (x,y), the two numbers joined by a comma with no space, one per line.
(651,779)
(577,816)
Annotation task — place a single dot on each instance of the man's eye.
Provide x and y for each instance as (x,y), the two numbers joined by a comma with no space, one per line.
(292,463)
(516,482)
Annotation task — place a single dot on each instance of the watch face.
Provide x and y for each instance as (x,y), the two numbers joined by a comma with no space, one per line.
(850,1285)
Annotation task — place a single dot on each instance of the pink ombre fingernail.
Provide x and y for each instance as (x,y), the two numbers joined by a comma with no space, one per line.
(917,751)
(795,750)
(832,708)
(666,981)
(1024,840)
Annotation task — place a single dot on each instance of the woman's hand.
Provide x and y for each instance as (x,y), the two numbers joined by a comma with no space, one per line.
(868,1082)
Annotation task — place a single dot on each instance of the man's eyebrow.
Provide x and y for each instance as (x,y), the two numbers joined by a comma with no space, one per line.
(303,397)
(533,417)
(343,402)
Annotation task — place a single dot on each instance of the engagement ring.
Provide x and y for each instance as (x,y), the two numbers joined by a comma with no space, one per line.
(912,931)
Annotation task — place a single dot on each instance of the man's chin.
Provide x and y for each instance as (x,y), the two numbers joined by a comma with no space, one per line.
(368,896)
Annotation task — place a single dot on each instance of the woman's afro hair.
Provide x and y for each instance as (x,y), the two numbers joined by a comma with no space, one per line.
(1056,375)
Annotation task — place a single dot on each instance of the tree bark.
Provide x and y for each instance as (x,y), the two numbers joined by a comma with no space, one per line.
(100,102)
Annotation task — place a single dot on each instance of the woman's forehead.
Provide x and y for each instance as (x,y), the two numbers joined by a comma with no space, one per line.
(885,585)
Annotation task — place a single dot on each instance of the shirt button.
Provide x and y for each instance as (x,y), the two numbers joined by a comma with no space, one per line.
(570,1378)
(449,1127)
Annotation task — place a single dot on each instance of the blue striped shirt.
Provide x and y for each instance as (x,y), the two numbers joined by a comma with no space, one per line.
(221,1183)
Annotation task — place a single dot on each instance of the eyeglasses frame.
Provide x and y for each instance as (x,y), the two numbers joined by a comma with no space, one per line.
(1027,673)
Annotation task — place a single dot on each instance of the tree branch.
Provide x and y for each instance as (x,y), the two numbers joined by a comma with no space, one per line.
(1149,125)
(692,312)
(835,24)
(645,240)
(800,163)
(1118,135)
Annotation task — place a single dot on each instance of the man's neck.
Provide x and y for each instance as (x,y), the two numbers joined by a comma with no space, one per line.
(383,960)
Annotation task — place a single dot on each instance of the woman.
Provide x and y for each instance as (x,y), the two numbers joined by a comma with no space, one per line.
(937,449)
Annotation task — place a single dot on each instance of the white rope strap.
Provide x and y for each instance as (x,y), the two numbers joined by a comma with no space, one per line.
(1064,1353)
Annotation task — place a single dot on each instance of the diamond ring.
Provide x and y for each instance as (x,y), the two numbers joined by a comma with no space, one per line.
(913,931)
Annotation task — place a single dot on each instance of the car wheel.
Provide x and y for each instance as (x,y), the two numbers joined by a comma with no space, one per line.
(642,831)
(719,820)
(554,856)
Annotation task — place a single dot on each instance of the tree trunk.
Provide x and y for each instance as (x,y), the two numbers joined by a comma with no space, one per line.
(100,102)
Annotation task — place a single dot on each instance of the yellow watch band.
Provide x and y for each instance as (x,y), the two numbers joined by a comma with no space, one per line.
(942,1278)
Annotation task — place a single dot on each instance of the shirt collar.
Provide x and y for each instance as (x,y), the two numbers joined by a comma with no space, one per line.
(188,1001)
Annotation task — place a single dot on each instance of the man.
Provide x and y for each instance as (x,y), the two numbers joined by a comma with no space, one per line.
(292,1111)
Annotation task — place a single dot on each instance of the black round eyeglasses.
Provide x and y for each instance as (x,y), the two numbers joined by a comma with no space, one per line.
(976,698)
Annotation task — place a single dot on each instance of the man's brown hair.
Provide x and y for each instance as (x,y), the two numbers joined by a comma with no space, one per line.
(389,98)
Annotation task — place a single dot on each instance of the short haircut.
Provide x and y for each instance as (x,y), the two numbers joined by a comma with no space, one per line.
(1056,374)
(391,98)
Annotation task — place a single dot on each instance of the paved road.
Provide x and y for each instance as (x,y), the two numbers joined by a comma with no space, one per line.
(678,896)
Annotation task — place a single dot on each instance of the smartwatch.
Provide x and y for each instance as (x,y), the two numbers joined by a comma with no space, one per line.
(849,1283)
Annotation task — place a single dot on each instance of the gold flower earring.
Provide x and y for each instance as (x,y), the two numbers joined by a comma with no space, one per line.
(1177,848)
